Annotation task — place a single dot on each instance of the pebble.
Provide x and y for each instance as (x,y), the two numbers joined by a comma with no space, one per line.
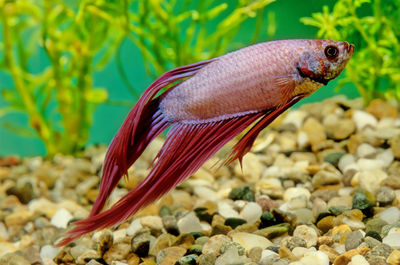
(307,233)
(385,196)
(189,223)
(315,257)
(61,218)
(346,257)
(251,212)
(169,256)
(358,260)
(117,252)
(214,244)
(152,222)
(48,251)
(134,227)
(394,257)
(353,240)
(226,210)
(392,238)
(295,192)
(242,193)
(231,256)
(324,177)
(390,215)
(363,119)
(249,241)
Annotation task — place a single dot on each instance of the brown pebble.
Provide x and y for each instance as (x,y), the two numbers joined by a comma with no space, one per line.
(326,223)
(339,233)
(394,257)
(325,240)
(133,259)
(117,252)
(332,253)
(284,252)
(381,109)
(345,258)
(169,256)
(184,241)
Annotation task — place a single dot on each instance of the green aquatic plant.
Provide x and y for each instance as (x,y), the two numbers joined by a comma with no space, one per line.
(374,27)
(79,38)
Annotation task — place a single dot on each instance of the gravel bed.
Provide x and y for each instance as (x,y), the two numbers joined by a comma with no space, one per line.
(321,186)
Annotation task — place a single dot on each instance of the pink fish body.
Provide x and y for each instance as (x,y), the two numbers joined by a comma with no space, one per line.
(218,100)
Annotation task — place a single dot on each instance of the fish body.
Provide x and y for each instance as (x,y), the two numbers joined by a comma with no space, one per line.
(214,101)
(245,81)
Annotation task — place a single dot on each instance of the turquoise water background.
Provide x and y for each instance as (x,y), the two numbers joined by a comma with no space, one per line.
(108,118)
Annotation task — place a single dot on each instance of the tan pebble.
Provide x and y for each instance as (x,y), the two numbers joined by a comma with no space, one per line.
(332,253)
(354,141)
(284,252)
(345,258)
(326,223)
(169,256)
(339,233)
(163,241)
(20,217)
(249,241)
(325,240)
(217,220)
(90,253)
(381,109)
(394,257)
(92,194)
(117,252)
(214,244)
(315,131)
(106,240)
(345,128)
(184,241)
(152,222)
(151,210)
(133,259)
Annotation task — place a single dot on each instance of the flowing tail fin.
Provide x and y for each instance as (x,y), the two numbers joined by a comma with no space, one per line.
(186,148)
(142,125)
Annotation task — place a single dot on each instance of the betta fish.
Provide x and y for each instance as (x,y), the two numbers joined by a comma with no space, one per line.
(205,105)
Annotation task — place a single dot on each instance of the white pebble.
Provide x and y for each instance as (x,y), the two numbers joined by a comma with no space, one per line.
(251,212)
(189,223)
(302,139)
(362,119)
(386,157)
(48,251)
(392,238)
(226,210)
(369,180)
(295,117)
(369,164)
(358,260)
(315,258)
(390,215)
(345,161)
(119,235)
(205,192)
(307,233)
(61,218)
(266,253)
(300,251)
(134,227)
(249,241)
(365,149)
(293,192)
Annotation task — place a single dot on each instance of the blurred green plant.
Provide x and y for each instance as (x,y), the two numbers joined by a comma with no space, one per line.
(80,37)
(374,27)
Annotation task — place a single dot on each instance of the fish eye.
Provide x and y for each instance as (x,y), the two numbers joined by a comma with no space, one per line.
(331,52)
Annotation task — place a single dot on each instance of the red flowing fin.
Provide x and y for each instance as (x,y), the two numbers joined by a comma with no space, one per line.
(143,123)
(186,148)
(246,142)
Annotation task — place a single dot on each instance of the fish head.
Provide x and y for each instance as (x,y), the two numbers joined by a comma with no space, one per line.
(324,60)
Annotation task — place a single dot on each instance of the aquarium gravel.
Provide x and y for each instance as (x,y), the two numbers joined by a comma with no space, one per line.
(321,186)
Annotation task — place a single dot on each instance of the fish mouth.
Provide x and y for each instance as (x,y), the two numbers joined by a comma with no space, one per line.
(349,48)
(320,80)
